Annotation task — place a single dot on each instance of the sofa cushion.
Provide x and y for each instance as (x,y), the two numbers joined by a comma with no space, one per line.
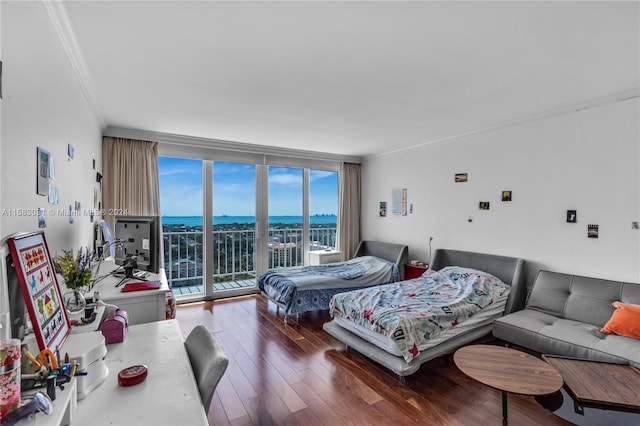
(625,320)
(579,298)
(549,334)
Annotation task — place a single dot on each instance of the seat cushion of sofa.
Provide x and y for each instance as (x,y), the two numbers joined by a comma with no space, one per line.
(549,334)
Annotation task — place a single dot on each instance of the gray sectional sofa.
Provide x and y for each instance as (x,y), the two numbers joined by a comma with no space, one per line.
(564,314)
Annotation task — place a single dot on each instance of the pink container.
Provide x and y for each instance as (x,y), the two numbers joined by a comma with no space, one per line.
(114,326)
(9,376)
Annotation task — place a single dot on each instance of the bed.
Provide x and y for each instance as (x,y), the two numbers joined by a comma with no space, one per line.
(310,288)
(498,288)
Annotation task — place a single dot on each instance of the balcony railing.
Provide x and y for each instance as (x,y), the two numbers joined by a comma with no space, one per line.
(233,253)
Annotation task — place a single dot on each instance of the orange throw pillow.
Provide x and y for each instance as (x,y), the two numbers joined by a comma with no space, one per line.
(625,320)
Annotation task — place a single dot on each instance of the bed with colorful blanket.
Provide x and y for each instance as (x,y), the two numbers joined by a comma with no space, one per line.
(310,288)
(404,324)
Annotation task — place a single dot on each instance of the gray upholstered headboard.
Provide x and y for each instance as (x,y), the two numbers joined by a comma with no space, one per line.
(509,269)
(396,253)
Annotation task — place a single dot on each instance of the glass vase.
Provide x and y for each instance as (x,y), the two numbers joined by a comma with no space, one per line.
(74,301)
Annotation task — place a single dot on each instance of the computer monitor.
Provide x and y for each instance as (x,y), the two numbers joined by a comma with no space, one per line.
(138,237)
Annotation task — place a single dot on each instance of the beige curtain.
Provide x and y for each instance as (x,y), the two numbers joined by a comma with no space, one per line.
(130,178)
(349,209)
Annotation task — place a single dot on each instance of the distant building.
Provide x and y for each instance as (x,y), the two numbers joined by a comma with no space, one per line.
(284,254)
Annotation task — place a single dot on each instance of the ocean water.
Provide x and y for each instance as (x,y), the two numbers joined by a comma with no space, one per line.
(226,220)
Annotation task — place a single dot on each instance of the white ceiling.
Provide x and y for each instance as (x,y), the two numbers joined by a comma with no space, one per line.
(350,78)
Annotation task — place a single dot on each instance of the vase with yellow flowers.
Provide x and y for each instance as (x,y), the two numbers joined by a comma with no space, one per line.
(76,273)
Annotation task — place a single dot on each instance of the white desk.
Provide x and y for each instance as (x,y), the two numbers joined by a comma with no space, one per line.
(141,306)
(168,396)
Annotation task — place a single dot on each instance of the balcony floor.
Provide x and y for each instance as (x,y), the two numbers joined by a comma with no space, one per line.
(197,289)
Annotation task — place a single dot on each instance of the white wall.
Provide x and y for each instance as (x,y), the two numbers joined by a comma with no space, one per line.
(1,232)
(44,107)
(587,160)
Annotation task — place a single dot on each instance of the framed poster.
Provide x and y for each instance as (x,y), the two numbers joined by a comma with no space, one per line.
(399,201)
(40,289)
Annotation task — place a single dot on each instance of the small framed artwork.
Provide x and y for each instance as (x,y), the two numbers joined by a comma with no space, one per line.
(52,168)
(43,172)
(572,216)
(42,219)
(484,205)
(592,231)
(53,194)
(383,208)
(506,195)
(461,177)
(70,151)
(37,277)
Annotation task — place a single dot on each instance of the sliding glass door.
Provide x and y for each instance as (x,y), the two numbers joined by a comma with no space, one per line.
(286,217)
(234,226)
(181,195)
(225,223)
(323,209)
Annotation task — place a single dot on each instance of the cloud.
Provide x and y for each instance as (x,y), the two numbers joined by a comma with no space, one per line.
(321,174)
(288,179)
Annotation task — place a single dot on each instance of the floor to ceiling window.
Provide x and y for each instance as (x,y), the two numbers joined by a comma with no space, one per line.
(323,209)
(286,220)
(211,213)
(181,195)
(234,222)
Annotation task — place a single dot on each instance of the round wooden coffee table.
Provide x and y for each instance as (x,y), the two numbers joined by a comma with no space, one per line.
(508,370)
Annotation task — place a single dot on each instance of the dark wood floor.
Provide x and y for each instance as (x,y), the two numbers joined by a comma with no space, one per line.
(297,374)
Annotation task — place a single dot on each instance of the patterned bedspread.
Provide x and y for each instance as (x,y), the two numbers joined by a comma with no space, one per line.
(308,288)
(412,311)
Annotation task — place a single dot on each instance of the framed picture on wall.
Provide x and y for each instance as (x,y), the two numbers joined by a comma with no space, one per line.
(383,208)
(43,172)
(461,177)
(40,289)
(399,201)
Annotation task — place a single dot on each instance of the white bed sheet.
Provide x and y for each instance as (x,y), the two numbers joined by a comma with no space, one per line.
(483,317)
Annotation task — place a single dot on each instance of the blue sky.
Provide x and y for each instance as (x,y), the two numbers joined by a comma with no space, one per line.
(234,189)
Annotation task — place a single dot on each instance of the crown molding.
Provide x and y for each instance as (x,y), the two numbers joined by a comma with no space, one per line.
(569,109)
(228,146)
(59,19)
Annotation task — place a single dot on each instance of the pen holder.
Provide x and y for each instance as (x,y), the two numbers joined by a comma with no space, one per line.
(10,354)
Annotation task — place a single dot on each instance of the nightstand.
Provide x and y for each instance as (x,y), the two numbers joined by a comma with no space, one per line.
(320,257)
(413,271)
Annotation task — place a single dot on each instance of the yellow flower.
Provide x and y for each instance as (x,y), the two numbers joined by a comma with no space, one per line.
(75,270)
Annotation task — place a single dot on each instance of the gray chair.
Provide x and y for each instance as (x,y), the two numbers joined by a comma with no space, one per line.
(208,362)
